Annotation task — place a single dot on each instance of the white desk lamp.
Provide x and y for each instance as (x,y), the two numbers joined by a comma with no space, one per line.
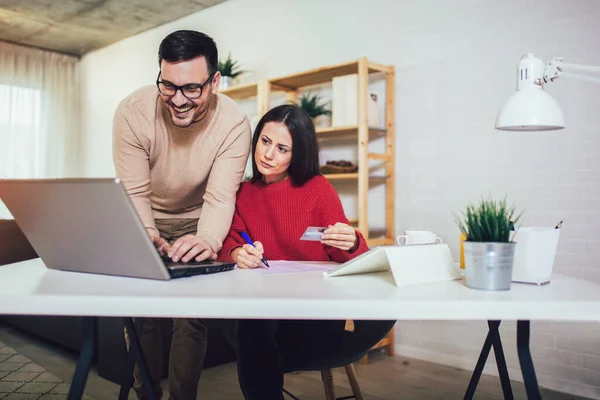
(531,108)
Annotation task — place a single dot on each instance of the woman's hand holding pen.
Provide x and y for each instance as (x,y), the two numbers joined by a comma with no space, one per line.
(341,236)
(248,256)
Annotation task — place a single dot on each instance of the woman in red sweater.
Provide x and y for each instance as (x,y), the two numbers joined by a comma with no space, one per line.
(286,194)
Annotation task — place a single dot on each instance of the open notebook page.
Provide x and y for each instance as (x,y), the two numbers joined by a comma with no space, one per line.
(283,267)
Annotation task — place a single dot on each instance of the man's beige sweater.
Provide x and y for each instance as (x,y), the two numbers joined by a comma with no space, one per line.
(172,172)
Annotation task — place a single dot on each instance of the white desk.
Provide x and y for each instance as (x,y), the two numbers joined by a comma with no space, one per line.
(31,289)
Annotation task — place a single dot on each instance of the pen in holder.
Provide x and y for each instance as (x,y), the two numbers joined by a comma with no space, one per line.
(534,254)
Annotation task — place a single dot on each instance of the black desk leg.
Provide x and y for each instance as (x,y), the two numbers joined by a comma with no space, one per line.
(501,364)
(134,355)
(86,356)
(529,378)
(492,339)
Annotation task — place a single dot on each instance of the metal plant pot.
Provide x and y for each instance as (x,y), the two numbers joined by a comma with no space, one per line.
(489,265)
(226,82)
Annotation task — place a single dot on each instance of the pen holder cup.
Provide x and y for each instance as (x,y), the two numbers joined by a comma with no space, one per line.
(534,254)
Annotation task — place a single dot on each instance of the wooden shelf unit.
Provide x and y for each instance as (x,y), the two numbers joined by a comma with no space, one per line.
(290,84)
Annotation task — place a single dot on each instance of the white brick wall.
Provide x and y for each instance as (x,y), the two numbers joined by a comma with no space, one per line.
(455,67)
(553,176)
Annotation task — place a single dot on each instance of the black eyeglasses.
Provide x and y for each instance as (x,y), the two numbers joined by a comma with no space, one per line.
(191,90)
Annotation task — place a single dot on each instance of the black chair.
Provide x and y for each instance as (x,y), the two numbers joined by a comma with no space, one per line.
(355,345)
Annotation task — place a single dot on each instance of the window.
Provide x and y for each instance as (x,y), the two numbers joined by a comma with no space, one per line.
(22,143)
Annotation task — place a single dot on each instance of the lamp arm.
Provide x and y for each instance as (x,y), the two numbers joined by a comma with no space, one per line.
(580,77)
(579,67)
(554,70)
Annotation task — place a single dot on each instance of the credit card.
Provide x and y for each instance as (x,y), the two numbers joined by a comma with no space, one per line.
(313,233)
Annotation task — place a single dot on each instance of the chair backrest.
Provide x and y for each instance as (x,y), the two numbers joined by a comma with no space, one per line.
(355,344)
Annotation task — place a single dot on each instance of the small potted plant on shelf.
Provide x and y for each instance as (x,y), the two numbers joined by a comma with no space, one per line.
(318,111)
(229,70)
(488,248)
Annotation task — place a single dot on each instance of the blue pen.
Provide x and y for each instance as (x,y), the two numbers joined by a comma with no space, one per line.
(249,241)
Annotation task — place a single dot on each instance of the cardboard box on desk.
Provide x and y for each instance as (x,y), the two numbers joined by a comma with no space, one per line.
(410,265)
(534,254)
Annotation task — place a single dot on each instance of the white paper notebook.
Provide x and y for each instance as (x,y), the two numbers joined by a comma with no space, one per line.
(287,267)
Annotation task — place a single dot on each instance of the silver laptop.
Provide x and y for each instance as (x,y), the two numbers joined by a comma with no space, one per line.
(90,225)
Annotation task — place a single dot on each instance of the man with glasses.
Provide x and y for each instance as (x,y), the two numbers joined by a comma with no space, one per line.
(180,149)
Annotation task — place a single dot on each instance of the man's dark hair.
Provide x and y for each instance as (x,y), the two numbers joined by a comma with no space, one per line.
(305,149)
(185,45)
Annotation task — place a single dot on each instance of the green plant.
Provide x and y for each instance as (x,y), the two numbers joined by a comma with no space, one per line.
(229,67)
(488,221)
(310,104)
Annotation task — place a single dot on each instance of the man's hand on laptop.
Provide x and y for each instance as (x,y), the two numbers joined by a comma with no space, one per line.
(188,247)
(161,245)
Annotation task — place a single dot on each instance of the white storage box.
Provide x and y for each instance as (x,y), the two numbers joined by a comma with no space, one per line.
(534,254)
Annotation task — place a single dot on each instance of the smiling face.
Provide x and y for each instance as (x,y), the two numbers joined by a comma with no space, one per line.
(185,111)
(273,154)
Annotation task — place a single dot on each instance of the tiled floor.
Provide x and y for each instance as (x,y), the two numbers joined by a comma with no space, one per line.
(22,379)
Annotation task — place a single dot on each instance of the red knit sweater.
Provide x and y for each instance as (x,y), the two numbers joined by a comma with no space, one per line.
(277,215)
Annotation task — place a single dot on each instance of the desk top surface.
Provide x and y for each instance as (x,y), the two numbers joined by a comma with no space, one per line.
(30,288)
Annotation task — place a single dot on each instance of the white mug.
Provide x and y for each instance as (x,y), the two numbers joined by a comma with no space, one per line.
(417,237)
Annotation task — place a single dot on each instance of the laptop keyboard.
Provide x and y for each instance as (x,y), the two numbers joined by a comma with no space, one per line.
(191,268)
(168,262)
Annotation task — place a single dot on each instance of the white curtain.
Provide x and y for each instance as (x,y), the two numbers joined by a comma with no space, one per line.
(39,114)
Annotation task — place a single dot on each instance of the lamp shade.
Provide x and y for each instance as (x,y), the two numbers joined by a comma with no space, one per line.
(530,109)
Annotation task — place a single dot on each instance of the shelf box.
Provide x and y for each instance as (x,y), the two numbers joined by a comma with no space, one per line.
(319,76)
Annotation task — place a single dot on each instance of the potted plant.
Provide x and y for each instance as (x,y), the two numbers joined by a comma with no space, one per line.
(318,111)
(229,70)
(488,248)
